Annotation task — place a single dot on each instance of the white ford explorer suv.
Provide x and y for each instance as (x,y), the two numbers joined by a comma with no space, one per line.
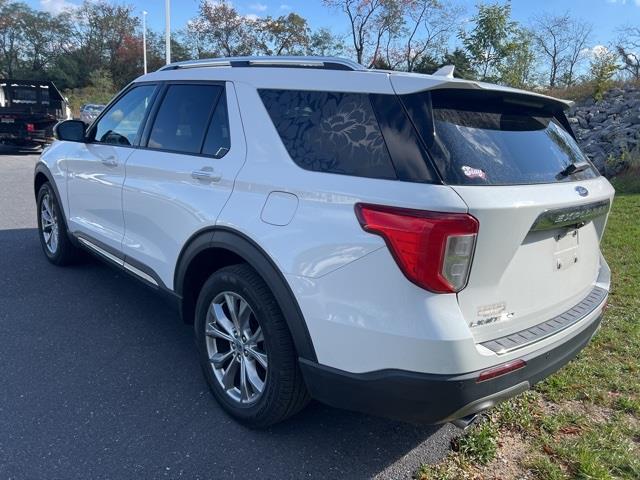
(413,246)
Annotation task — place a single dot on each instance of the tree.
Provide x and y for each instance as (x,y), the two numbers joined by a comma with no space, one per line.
(548,32)
(30,40)
(156,49)
(426,30)
(285,35)
(195,41)
(369,21)
(628,48)
(100,89)
(562,41)
(578,36)
(11,35)
(104,36)
(518,69)
(462,63)
(491,40)
(426,64)
(224,31)
(604,65)
(45,37)
(322,42)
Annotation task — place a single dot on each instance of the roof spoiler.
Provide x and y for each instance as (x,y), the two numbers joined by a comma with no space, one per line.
(445,71)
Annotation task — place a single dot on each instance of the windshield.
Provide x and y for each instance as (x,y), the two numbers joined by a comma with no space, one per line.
(481,139)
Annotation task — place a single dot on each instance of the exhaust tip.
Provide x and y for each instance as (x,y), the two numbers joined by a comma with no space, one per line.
(465,422)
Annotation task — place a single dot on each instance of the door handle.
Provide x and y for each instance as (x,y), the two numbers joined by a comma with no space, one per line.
(206,174)
(110,162)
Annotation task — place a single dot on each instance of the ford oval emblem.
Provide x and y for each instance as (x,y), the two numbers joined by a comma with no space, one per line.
(583,192)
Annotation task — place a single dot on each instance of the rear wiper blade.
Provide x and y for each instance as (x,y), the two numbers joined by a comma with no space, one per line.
(573,168)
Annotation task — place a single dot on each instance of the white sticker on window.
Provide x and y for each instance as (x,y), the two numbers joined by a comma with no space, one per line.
(471,172)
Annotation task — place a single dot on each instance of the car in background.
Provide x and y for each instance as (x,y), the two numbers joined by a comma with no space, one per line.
(89,112)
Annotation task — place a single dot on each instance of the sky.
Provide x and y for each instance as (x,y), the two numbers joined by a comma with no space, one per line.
(605,15)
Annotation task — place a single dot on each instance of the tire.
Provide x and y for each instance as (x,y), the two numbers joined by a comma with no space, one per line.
(283,390)
(59,251)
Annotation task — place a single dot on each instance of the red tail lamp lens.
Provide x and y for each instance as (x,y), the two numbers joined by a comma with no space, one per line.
(433,249)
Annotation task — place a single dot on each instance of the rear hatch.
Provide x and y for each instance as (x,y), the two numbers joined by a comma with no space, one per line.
(541,205)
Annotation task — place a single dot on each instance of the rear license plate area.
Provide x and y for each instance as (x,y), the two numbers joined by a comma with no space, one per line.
(567,247)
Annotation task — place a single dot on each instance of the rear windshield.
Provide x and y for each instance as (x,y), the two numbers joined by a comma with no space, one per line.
(24,95)
(487,139)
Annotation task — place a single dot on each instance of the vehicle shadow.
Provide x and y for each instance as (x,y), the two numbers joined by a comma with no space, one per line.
(14,150)
(102,376)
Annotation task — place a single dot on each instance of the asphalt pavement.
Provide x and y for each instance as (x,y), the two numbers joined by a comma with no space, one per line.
(99,379)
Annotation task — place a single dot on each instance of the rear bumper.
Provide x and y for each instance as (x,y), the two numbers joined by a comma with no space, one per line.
(430,398)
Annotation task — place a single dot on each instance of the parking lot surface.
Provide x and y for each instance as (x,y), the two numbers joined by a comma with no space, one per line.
(99,379)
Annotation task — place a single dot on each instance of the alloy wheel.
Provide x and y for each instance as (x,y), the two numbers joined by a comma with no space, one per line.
(236,348)
(49,224)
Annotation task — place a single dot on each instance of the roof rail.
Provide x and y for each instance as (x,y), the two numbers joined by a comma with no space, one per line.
(326,63)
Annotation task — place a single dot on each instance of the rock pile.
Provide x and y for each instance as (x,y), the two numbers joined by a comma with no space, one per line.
(609,130)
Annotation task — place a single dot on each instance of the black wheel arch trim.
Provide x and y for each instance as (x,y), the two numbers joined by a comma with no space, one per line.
(241,245)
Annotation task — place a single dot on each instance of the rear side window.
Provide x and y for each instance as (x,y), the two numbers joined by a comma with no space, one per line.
(181,122)
(490,139)
(332,132)
(218,139)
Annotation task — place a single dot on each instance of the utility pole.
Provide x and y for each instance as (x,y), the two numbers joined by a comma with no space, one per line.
(167,30)
(144,40)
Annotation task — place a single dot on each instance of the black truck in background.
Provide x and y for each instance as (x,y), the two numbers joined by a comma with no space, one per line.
(29,109)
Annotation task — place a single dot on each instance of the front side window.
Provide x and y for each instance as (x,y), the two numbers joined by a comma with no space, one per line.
(488,139)
(333,132)
(182,119)
(122,122)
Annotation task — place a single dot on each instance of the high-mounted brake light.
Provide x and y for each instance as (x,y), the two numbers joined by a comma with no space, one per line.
(434,250)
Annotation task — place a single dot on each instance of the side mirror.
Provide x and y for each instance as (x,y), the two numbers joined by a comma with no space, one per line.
(70,131)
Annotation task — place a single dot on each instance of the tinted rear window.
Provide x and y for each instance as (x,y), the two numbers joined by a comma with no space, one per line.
(333,132)
(485,139)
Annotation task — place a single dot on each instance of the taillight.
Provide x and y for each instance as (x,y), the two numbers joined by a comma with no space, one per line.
(31,127)
(434,250)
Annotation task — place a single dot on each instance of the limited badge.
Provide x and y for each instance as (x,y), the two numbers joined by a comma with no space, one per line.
(471,172)
(492,314)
